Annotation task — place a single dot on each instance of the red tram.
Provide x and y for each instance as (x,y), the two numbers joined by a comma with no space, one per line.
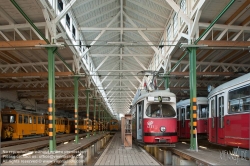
(183,117)
(154,117)
(229,108)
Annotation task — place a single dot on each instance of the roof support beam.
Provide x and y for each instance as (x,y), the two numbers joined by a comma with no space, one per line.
(31,75)
(213,43)
(133,55)
(91,29)
(100,34)
(21,43)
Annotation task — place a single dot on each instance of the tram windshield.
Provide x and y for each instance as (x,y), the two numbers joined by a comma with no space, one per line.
(113,123)
(9,118)
(160,111)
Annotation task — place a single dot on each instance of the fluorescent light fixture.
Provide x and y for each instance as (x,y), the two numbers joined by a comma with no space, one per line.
(184,45)
(31,76)
(210,75)
(51,45)
(118,43)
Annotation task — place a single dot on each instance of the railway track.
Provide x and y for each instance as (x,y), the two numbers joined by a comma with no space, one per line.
(20,147)
(29,140)
(40,153)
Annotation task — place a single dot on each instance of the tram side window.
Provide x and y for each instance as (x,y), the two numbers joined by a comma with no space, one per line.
(20,119)
(203,111)
(246,104)
(34,120)
(26,119)
(239,100)
(213,112)
(188,112)
(30,119)
(140,109)
(39,120)
(178,114)
(182,114)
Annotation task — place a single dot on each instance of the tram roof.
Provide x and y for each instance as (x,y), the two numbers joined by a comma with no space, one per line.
(245,79)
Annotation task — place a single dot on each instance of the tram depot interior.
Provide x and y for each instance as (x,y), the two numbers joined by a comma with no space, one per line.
(86,55)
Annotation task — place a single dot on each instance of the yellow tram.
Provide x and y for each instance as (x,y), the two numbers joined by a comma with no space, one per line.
(84,124)
(17,124)
(113,125)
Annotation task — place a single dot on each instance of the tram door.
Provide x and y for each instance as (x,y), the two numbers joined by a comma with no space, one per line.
(139,120)
(220,119)
(34,124)
(216,120)
(179,121)
(212,121)
(183,124)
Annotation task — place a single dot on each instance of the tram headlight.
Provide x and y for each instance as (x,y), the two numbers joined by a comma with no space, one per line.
(162,128)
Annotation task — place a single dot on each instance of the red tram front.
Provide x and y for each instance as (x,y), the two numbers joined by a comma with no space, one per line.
(154,118)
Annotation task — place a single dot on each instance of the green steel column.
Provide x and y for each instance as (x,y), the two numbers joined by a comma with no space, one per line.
(51,116)
(54,98)
(166,82)
(76,109)
(193,95)
(87,100)
(99,120)
(94,129)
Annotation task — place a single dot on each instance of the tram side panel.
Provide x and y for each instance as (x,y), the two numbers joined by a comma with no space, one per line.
(183,116)
(229,107)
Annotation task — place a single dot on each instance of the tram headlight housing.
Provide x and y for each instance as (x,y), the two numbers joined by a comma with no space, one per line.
(162,128)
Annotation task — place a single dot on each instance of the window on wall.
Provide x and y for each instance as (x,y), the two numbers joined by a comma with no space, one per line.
(80,45)
(155,58)
(68,21)
(175,22)
(60,5)
(73,32)
(183,8)
(163,48)
(169,34)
